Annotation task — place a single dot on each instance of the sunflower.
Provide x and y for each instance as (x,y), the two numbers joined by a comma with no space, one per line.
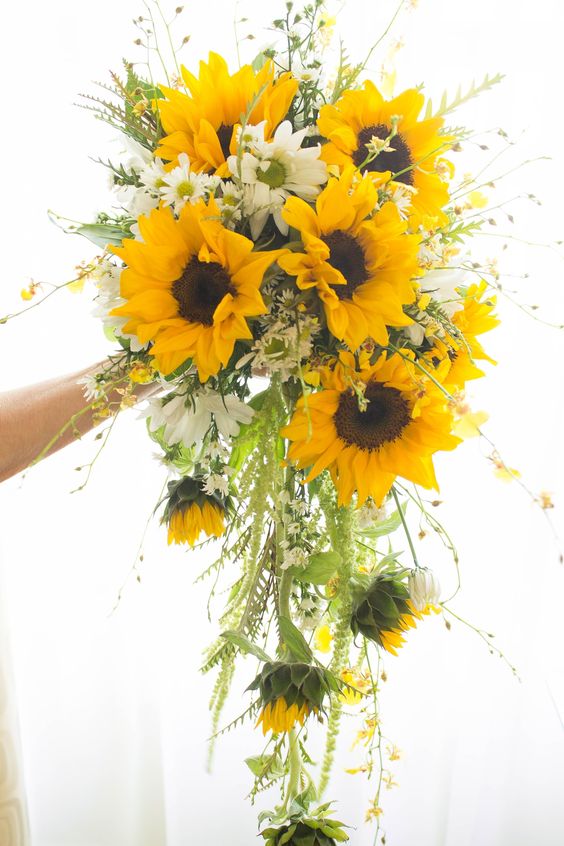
(411,155)
(401,420)
(289,693)
(384,611)
(362,266)
(190,285)
(278,716)
(189,512)
(455,356)
(204,122)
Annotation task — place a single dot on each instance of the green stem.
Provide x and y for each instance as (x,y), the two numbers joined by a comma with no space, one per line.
(295,771)
(405,527)
(284,592)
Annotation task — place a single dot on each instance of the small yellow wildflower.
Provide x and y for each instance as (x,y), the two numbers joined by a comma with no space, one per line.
(502,471)
(545,500)
(31,290)
(388,780)
(468,422)
(373,812)
(141,373)
(477,200)
(356,680)
(394,754)
(366,734)
(323,639)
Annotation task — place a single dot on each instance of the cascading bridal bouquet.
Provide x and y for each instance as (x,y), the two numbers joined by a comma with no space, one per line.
(289,261)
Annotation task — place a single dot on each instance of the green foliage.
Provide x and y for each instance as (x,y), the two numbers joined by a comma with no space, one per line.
(384,527)
(245,645)
(321,567)
(446,106)
(294,640)
(104,234)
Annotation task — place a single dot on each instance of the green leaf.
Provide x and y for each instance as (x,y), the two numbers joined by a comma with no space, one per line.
(384,527)
(261,765)
(245,645)
(294,640)
(320,568)
(259,62)
(103,234)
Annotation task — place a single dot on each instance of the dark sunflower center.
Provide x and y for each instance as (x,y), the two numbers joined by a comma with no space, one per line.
(396,160)
(200,290)
(347,256)
(224,134)
(383,422)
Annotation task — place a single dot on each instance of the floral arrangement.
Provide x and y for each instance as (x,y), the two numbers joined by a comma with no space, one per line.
(289,262)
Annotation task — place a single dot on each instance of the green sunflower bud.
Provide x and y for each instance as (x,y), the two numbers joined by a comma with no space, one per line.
(384,611)
(289,693)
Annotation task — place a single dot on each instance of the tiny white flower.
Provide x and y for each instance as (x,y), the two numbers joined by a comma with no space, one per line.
(369,514)
(181,185)
(295,557)
(216,482)
(424,588)
(91,388)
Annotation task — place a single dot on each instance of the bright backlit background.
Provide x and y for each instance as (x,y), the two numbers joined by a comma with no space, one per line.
(114,713)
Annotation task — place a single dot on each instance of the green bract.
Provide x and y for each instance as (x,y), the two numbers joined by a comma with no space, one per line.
(296,682)
(380,607)
(183,492)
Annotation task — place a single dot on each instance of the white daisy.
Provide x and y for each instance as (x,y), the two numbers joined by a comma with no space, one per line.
(135,200)
(188,419)
(402,197)
(181,185)
(424,588)
(152,176)
(229,201)
(132,155)
(106,276)
(273,171)
(442,284)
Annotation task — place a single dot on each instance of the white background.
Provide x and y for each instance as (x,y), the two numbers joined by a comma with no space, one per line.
(114,714)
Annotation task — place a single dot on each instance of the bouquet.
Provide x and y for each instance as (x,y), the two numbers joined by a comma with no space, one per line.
(289,263)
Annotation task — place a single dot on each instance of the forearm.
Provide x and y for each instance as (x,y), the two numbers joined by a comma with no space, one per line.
(38,420)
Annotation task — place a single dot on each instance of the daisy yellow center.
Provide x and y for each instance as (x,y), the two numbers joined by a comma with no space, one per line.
(200,290)
(383,422)
(185,189)
(395,160)
(347,256)
(224,134)
(274,176)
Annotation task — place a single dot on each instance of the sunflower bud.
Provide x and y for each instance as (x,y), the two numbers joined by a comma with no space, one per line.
(314,831)
(384,611)
(289,693)
(190,511)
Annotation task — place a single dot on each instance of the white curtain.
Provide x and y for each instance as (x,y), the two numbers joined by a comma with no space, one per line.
(13,806)
(113,712)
